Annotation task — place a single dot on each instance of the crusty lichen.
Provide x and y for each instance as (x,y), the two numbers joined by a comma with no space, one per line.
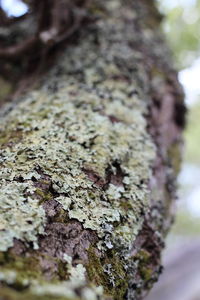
(21,217)
(67,133)
(84,131)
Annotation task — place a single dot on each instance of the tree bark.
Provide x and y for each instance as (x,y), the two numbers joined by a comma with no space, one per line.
(89,162)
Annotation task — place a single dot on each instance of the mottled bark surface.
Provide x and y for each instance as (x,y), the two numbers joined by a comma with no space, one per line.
(89,162)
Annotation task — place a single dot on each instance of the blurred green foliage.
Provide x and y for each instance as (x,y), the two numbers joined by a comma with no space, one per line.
(182,27)
(186,224)
(192,135)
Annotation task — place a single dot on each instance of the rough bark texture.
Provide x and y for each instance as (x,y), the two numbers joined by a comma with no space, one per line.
(89,162)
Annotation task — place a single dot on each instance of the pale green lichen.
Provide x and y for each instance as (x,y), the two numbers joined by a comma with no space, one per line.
(8,276)
(82,128)
(20,217)
(77,273)
(58,141)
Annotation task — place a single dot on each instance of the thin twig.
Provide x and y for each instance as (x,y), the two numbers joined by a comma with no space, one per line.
(56,21)
(16,51)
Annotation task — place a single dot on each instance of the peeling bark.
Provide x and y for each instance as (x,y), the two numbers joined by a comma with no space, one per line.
(89,162)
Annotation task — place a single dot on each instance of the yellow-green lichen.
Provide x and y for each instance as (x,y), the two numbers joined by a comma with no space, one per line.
(39,289)
(18,271)
(145,269)
(52,292)
(23,274)
(43,196)
(9,294)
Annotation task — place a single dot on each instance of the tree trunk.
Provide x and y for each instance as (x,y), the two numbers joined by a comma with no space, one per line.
(88,164)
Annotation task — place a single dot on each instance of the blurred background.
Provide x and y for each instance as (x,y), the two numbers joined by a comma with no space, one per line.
(181,259)
(181,276)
